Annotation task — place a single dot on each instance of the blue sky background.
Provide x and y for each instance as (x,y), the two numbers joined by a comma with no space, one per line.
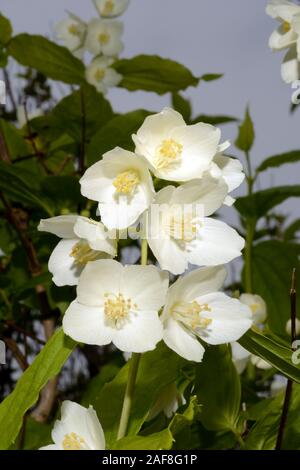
(229,37)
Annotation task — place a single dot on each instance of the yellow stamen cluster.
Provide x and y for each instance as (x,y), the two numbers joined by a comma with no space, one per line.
(189,313)
(73,29)
(168,152)
(181,226)
(108,8)
(286,26)
(117,309)
(82,253)
(254,308)
(104,38)
(73,442)
(99,75)
(126,182)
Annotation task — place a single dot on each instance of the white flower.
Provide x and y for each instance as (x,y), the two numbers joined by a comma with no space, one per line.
(285,12)
(175,151)
(257,305)
(111,8)
(101,75)
(288,327)
(231,170)
(78,429)
(241,357)
(196,310)
(290,68)
(104,37)
(179,230)
(118,304)
(122,185)
(72,32)
(83,240)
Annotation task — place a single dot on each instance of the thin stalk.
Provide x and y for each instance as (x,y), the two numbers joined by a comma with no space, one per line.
(133,369)
(288,391)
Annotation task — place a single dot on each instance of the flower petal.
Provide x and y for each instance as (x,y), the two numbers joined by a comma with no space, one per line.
(142,334)
(86,324)
(62,265)
(98,278)
(182,342)
(216,243)
(62,225)
(96,234)
(146,285)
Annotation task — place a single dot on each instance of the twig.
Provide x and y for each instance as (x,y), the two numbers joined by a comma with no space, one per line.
(288,391)
(31,137)
(18,355)
(9,90)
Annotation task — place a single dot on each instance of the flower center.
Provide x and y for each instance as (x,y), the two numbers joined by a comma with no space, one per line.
(254,308)
(104,38)
(126,182)
(181,226)
(117,309)
(83,253)
(189,313)
(168,152)
(99,75)
(73,442)
(286,26)
(73,29)
(108,7)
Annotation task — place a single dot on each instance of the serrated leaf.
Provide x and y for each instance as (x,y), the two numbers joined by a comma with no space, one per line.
(246,135)
(154,73)
(278,160)
(261,202)
(5,30)
(46,365)
(52,60)
(85,107)
(116,132)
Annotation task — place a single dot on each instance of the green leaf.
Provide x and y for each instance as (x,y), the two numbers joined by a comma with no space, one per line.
(157,369)
(209,77)
(272,265)
(278,160)
(5,30)
(116,132)
(46,365)
(162,440)
(290,232)
(153,73)
(261,202)
(14,185)
(63,192)
(218,389)
(263,434)
(107,374)
(214,120)
(52,60)
(246,135)
(85,107)
(182,105)
(14,141)
(272,351)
